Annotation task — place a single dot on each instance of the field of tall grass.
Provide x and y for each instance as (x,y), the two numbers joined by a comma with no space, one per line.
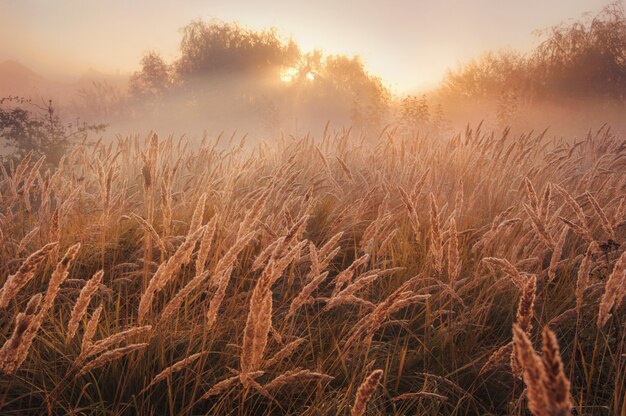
(479,275)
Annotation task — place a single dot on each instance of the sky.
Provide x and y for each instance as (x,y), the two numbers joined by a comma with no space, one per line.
(409,44)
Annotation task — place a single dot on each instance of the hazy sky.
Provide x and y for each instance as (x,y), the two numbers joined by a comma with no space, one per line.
(408,43)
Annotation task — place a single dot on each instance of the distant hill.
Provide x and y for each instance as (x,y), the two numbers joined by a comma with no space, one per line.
(18,80)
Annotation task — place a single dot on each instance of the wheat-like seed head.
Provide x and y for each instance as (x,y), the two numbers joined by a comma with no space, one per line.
(80,307)
(436,243)
(25,273)
(614,291)
(365,392)
(453,253)
(174,368)
(523,320)
(109,356)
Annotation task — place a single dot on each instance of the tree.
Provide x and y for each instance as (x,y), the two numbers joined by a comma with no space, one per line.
(226,69)
(414,112)
(487,75)
(582,60)
(586,58)
(29,127)
(154,78)
(218,47)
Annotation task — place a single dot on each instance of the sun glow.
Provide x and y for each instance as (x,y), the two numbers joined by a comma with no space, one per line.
(291,73)
(288,74)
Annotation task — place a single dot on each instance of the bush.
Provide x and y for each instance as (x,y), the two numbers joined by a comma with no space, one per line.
(27,127)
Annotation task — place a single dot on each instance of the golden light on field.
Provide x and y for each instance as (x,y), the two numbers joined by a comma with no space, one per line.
(246,223)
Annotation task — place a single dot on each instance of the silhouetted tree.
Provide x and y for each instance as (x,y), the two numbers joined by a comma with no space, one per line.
(29,127)
(217,47)
(585,59)
(224,67)
(100,100)
(414,112)
(487,75)
(153,80)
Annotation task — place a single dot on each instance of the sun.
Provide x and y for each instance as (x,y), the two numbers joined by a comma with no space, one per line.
(288,74)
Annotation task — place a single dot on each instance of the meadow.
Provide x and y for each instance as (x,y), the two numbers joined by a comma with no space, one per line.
(480,274)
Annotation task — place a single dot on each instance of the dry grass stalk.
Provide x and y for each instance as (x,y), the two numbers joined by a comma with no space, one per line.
(533,371)
(604,220)
(198,213)
(458,200)
(316,268)
(556,254)
(228,259)
(174,368)
(582,282)
(24,274)
(544,206)
(436,244)
(109,356)
(413,217)
(347,299)
(147,227)
(620,213)
(167,271)
(532,195)
(259,318)
(205,245)
(90,330)
(345,168)
(295,376)
(25,240)
(365,392)
(453,253)
(222,274)
(166,200)
(173,305)
(367,326)
(556,382)
(266,253)
(23,320)
(345,276)
(254,212)
(539,227)
(583,228)
(80,307)
(523,319)
(103,344)
(304,297)
(547,387)
(503,264)
(284,352)
(419,395)
(614,291)
(359,283)
(58,277)
(229,382)
(497,359)
(328,251)
(27,334)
